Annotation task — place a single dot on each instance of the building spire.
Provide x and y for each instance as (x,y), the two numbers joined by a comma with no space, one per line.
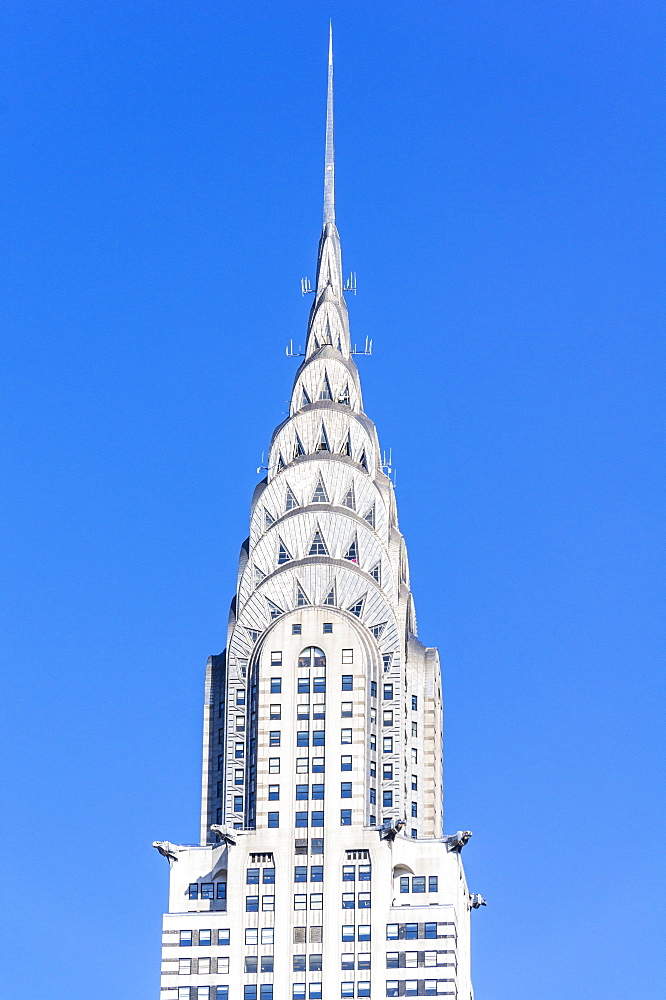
(329,163)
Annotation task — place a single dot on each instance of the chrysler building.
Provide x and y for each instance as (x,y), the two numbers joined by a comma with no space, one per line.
(323,871)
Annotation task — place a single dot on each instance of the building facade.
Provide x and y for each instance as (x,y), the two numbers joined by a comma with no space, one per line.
(322,870)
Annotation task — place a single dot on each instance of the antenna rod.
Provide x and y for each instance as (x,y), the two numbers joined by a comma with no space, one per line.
(329,163)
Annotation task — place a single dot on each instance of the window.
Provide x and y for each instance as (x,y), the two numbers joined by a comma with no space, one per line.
(223,936)
(328,628)
(388,692)
(301,819)
(364,873)
(273,820)
(318,738)
(345,736)
(415,703)
(249,993)
(364,900)
(240,696)
(301,873)
(273,793)
(345,789)
(319,710)
(415,729)
(268,903)
(392,959)
(274,738)
(300,901)
(373,689)
(303,685)
(299,935)
(373,768)
(185,939)
(275,712)
(314,991)
(404,884)
(317,791)
(387,799)
(220,762)
(373,796)
(318,546)
(302,765)
(303,738)
(238,803)
(415,783)
(387,772)
(348,932)
(273,765)
(373,716)
(376,572)
(276,658)
(316,900)
(346,990)
(251,904)
(268,878)
(414,833)
(302,792)
(239,750)
(387,744)
(347,655)
(296,629)
(432,883)
(430,930)
(317,817)
(299,963)
(319,685)
(298,991)
(349,873)
(251,963)
(352,552)
(347,682)
(418,883)
(221,992)
(266,989)
(276,685)
(238,778)
(347,963)
(392,988)
(283,554)
(317,873)
(388,718)
(347,709)
(373,741)
(411,932)
(315,963)
(415,755)
(317,845)
(317,765)
(184,966)
(364,932)
(345,817)
(348,901)
(392,933)
(207,890)
(363,960)
(363,989)
(221,890)
(316,932)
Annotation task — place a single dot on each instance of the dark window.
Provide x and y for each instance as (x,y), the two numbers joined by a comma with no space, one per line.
(415,810)
(318,738)
(430,930)
(303,685)
(345,763)
(249,993)
(273,793)
(347,682)
(319,685)
(266,989)
(328,628)
(296,629)
(238,803)
(273,819)
(276,685)
(315,963)
(345,817)
(303,739)
(274,738)
(373,689)
(411,932)
(317,818)
(345,789)
(317,791)
(207,890)
(222,891)
(364,932)
(193,890)
(432,883)
(388,692)
(418,883)
(302,791)
(250,963)
(317,873)
(252,904)
(373,796)
(299,962)
(349,873)
(415,703)
(301,819)
(404,884)
(317,845)
(252,877)
(301,873)
(387,799)
(268,875)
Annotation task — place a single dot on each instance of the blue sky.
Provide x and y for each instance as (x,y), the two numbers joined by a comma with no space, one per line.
(501,195)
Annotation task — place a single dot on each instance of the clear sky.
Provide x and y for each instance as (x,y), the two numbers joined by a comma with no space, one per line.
(501,195)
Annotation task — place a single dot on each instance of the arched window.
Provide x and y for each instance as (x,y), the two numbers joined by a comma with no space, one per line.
(312,656)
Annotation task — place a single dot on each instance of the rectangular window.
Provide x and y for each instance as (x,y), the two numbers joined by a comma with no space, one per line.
(373,820)
(273,820)
(414,833)
(268,878)
(319,685)
(387,744)
(220,736)
(411,987)
(392,932)
(347,709)
(373,689)
(404,884)
(276,685)
(317,817)
(432,883)
(388,692)
(274,738)
(387,799)
(347,655)
(348,932)
(363,960)
(346,990)
(303,685)
(373,716)
(316,934)
(298,991)
(364,900)
(392,988)
(302,792)
(392,959)
(388,718)
(415,703)
(319,738)
(373,796)
(317,765)
(415,729)
(373,741)
(415,810)
(319,710)
(240,696)
(239,751)
(364,932)
(415,783)
(273,765)
(415,755)
(238,777)
(373,768)
(317,791)
(223,935)
(418,883)
(222,890)
(273,793)
(316,900)
(345,735)
(252,876)
(251,904)
(347,682)
(301,846)
(349,873)
(299,963)
(345,817)
(301,873)
(387,772)
(302,765)
(275,712)
(346,763)
(303,739)
(220,762)
(221,992)
(315,963)
(238,803)
(363,989)
(185,939)
(314,992)
(268,903)
(250,993)
(299,935)
(328,628)
(300,901)
(207,890)
(276,658)
(317,845)
(430,930)
(296,629)
(411,932)
(348,901)
(364,873)
(345,789)
(266,989)
(251,963)
(317,873)
(240,724)
(301,819)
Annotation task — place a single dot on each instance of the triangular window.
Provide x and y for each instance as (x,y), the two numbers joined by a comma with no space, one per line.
(284,555)
(318,547)
(386,658)
(344,396)
(352,552)
(290,500)
(322,444)
(378,629)
(376,572)
(259,575)
(370,516)
(280,463)
(350,499)
(329,600)
(268,518)
(305,399)
(274,611)
(298,448)
(326,389)
(320,495)
(363,460)
(301,597)
(253,634)
(346,447)
(339,346)
(357,608)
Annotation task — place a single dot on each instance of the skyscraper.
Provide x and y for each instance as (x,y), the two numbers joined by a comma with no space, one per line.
(323,870)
